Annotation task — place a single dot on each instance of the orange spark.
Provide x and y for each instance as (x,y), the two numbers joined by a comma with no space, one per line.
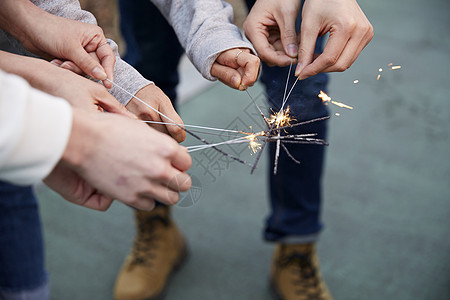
(325,98)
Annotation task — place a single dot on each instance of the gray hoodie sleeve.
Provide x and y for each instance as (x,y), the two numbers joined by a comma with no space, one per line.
(124,74)
(204,28)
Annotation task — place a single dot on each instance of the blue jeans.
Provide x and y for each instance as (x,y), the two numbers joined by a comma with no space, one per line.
(295,192)
(22,272)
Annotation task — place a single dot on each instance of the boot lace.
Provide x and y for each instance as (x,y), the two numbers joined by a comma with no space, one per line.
(302,266)
(147,240)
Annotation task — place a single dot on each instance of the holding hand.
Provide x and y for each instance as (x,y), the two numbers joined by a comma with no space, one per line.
(50,36)
(271,25)
(147,165)
(237,68)
(78,91)
(155,97)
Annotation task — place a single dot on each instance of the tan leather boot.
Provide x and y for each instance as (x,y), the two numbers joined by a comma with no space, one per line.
(295,273)
(158,250)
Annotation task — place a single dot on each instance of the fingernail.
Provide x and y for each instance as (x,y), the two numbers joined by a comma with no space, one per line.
(298,69)
(235,81)
(242,87)
(292,50)
(99,73)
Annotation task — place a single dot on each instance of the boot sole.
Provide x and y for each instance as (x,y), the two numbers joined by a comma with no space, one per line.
(184,255)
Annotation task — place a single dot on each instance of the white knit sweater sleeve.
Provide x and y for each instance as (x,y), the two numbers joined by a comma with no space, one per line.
(34,130)
(204,28)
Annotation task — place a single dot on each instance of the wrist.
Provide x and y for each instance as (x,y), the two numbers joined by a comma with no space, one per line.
(83,136)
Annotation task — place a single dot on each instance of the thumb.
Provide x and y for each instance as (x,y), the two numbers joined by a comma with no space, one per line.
(288,34)
(87,64)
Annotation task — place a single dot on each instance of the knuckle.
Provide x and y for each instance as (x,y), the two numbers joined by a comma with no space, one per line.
(289,34)
(341,67)
(330,60)
(370,31)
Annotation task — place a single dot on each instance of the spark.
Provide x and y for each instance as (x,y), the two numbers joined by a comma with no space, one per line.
(378,77)
(396,67)
(380,70)
(325,98)
(281,118)
(186,130)
(337,114)
(389,64)
(253,144)
(355,81)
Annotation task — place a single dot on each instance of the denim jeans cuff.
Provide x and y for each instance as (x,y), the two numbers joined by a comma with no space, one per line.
(42,292)
(301,239)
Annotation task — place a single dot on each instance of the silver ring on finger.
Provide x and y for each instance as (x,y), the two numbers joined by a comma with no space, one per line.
(237,56)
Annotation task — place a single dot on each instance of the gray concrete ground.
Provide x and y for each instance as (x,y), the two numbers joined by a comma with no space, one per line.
(386,209)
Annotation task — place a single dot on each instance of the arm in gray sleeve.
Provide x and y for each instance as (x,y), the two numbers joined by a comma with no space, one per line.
(204,28)
(124,74)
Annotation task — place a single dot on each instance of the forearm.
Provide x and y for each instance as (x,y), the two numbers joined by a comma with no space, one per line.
(14,15)
(204,29)
(124,74)
(39,73)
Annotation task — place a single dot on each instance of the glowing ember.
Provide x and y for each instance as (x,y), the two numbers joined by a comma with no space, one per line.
(396,67)
(325,98)
(253,144)
(282,118)
(378,77)
(389,64)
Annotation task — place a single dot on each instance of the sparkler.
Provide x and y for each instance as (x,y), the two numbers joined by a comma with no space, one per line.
(276,122)
(327,99)
(183,128)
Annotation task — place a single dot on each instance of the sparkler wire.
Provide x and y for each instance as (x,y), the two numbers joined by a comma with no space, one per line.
(186,130)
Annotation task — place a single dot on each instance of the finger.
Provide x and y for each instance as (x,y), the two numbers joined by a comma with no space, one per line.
(56,62)
(68,65)
(160,193)
(98,201)
(108,103)
(265,50)
(308,38)
(286,23)
(86,63)
(333,49)
(181,182)
(181,159)
(250,64)
(348,55)
(107,59)
(227,75)
(144,202)
(175,131)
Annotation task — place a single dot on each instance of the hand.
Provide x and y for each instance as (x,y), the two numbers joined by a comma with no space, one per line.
(155,97)
(50,36)
(349,29)
(112,157)
(270,26)
(79,91)
(75,189)
(237,68)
